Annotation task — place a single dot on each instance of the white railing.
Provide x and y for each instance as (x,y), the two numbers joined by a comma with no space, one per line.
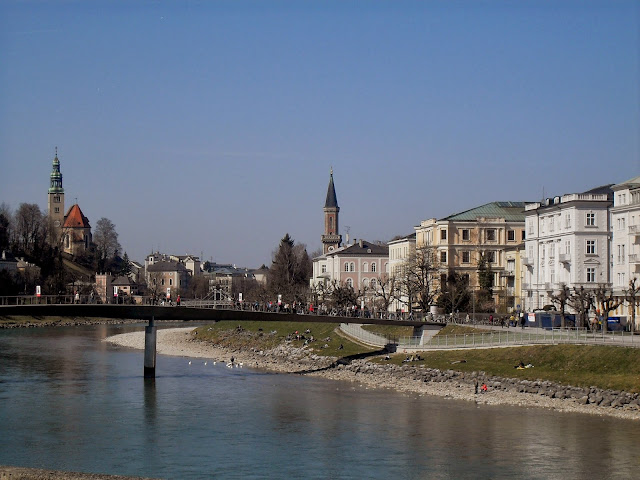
(530,336)
(356,331)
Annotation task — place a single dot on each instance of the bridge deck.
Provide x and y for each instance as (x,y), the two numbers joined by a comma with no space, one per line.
(145,312)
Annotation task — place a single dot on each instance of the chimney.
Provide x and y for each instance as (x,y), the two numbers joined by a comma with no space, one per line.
(361,244)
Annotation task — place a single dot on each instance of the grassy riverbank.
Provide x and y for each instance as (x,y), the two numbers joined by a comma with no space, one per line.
(615,368)
(266,335)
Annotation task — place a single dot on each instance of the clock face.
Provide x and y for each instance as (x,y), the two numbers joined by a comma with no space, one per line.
(57,223)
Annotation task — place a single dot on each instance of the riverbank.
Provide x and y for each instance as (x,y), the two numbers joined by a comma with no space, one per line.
(20,473)
(406,378)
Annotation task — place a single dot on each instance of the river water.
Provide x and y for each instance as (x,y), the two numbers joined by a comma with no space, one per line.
(69,401)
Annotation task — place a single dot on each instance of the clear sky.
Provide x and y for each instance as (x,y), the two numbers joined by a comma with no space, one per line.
(210,127)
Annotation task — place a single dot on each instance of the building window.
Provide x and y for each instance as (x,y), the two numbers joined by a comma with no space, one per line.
(56,209)
(443,234)
(465,235)
(567,221)
(591,275)
(511,235)
(491,257)
(591,247)
(491,235)
(386,267)
(171,281)
(324,268)
(162,282)
(365,282)
(443,257)
(365,267)
(591,219)
(551,224)
(349,283)
(523,235)
(373,266)
(346,266)
(374,284)
(352,267)
(465,257)
(530,227)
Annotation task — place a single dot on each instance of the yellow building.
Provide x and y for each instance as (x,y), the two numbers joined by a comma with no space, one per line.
(459,240)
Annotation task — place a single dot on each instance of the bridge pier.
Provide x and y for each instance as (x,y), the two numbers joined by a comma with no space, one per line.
(150,349)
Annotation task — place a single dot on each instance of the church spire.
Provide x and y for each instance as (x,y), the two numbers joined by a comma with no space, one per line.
(332,199)
(55,185)
(331,238)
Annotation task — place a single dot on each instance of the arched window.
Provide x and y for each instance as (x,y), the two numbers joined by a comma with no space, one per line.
(386,267)
(365,282)
(374,284)
(365,267)
(349,282)
(373,266)
(66,241)
(346,266)
(352,267)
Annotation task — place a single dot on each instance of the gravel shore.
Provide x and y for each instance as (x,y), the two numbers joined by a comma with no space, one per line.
(182,342)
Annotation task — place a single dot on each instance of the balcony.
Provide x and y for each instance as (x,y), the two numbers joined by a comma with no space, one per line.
(564,258)
(634,258)
(528,261)
(508,273)
(634,231)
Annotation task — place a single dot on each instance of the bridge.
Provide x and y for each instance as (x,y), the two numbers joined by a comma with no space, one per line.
(187,313)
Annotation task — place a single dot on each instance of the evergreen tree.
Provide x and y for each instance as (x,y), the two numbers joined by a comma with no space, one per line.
(125,267)
(290,271)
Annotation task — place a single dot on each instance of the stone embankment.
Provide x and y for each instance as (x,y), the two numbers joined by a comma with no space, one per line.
(510,391)
(404,378)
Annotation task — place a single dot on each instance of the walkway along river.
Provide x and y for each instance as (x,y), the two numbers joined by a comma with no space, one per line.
(73,402)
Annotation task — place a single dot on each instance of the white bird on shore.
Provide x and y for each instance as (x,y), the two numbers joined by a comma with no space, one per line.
(205,363)
(189,362)
(214,362)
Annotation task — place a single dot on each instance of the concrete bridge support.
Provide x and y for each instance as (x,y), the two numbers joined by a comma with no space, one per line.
(426,332)
(150,337)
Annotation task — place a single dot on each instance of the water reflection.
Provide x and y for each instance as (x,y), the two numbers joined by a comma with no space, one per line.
(197,421)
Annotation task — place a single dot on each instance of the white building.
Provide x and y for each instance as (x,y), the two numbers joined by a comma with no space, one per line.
(400,251)
(625,226)
(567,242)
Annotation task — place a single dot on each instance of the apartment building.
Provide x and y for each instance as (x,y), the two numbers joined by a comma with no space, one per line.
(567,242)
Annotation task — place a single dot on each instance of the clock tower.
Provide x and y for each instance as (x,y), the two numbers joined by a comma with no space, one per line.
(331,239)
(56,198)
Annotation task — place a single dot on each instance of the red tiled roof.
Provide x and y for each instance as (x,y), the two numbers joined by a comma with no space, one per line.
(75,218)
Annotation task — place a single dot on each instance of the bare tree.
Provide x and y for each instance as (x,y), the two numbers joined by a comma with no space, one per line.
(607,303)
(106,240)
(631,296)
(561,301)
(581,301)
(455,293)
(420,282)
(29,230)
(386,291)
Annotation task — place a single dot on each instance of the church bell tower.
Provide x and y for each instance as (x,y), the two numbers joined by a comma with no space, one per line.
(331,239)
(56,197)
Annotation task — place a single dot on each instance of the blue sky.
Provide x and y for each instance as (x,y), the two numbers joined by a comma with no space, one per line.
(210,127)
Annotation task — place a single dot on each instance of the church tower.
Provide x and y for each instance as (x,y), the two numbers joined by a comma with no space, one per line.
(56,197)
(331,240)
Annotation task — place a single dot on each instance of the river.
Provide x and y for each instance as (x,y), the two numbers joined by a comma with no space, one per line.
(69,401)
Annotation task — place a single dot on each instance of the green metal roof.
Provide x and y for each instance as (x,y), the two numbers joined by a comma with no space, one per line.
(510,211)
